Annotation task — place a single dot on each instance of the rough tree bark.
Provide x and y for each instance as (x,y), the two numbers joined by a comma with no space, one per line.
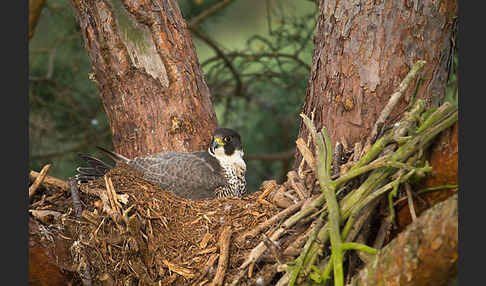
(426,253)
(362,52)
(148,74)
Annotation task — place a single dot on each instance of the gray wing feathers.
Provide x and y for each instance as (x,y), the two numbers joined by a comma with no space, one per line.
(185,174)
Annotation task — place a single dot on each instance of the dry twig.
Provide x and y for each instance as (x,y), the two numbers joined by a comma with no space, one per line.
(273,249)
(262,226)
(392,102)
(38,180)
(224,243)
(297,185)
(306,153)
(48,180)
(410,201)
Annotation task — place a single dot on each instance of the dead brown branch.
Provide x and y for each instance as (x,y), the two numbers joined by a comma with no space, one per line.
(276,253)
(208,266)
(306,153)
(297,185)
(224,243)
(208,12)
(52,181)
(410,201)
(276,218)
(392,102)
(38,181)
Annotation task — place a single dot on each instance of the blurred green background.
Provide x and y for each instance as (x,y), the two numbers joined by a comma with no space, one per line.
(268,42)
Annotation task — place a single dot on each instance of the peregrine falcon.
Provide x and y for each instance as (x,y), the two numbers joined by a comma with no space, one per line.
(217,172)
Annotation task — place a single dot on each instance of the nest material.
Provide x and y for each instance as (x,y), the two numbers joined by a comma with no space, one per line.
(143,234)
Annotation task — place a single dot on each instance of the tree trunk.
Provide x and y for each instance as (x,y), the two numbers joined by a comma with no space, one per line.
(149,77)
(362,52)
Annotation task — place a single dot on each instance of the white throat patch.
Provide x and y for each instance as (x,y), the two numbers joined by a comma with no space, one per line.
(233,161)
(234,169)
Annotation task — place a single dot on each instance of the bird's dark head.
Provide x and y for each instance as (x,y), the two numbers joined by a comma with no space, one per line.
(227,149)
(225,140)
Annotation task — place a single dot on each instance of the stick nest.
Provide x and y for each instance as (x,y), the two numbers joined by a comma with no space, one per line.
(133,232)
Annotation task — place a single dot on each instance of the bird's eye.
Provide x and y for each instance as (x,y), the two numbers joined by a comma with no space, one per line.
(227,139)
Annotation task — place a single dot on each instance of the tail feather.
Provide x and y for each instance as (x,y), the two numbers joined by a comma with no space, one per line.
(116,157)
(96,169)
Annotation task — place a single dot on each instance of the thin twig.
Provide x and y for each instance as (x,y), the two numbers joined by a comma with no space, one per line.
(273,249)
(211,43)
(394,98)
(436,188)
(224,243)
(408,189)
(208,12)
(208,265)
(48,180)
(262,226)
(38,180)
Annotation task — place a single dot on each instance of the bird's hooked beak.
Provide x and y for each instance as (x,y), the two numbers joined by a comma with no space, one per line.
(216,142)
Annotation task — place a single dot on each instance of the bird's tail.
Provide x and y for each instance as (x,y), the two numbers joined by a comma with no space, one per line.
(97,168)
(116,157)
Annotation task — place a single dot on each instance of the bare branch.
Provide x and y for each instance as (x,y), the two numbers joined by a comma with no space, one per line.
(38,180)
(208,12)
(392,102)
(239,85)
(255,57)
